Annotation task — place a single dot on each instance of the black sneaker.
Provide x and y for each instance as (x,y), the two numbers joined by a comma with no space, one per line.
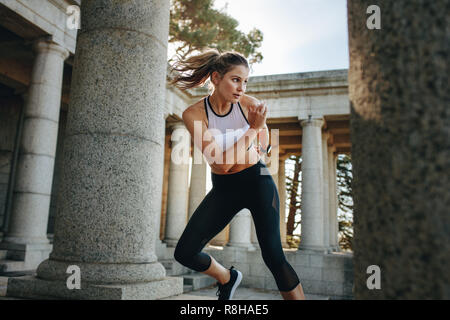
(226,291)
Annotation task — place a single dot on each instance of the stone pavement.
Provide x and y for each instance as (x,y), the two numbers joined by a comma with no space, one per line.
(240,294)
(206,294)
(3,283)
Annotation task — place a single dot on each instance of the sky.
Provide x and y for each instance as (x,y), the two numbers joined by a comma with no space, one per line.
(299,35)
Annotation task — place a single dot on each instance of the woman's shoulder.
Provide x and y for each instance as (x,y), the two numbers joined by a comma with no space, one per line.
(195,110)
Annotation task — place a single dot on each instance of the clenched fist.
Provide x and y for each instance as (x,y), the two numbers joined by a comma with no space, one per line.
(257,116)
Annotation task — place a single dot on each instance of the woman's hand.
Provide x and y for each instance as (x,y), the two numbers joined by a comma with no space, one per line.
(253,155)
(257,116)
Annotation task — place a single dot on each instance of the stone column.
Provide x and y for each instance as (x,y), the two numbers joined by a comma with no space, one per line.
(27,232)
(11,122)
(178,191)
(325,190)
(197,188)
(111,186)
(160,246)
(399,98)
(240,230)
(221,238)
(333,225)
(253,236)
(275,178)
(312,234)
(282,195)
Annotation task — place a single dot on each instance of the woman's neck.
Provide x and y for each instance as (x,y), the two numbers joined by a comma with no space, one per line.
(220,105)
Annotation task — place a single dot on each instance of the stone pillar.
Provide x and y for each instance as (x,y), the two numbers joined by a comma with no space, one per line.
(178,192)
(161,247)
(27,232)
(399,98)
(333,225)
(111,186)
(240,230)
(282,195)
(222,237)
(11,122)
(253,236)
(165,185)
(312,234)
(325,190)
(275,178)
(197,188)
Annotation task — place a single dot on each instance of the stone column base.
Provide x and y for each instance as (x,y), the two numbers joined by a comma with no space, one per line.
(30,287)
(160,250)
(285,245)
(31,254)
(241,245)
(219,243)
(315,249)
(171,242)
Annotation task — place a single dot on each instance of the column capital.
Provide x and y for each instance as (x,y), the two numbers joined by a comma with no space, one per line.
(318,122)
(43,45)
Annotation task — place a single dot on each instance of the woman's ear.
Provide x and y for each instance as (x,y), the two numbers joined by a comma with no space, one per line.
(215,78)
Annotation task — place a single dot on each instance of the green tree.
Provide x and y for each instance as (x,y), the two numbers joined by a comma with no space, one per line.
(195,25)
(293,197)
(345,200)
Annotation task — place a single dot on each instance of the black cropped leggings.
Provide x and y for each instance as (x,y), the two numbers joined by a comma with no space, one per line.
(252,188)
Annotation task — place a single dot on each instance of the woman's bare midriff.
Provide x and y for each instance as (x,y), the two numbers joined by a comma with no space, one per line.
(251,159)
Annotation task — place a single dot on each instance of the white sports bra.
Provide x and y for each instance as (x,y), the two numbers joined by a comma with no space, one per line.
(226,129)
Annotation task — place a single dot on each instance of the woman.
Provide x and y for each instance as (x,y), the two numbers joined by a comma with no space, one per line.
(236,170)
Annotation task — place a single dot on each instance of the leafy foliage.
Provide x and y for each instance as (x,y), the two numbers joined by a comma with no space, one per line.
(196,25)
(345,200)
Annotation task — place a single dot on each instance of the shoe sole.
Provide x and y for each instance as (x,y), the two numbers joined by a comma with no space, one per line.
(236,284)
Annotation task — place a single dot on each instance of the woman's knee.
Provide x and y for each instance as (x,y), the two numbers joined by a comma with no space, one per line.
(180,254)
(275,265)
(274,259)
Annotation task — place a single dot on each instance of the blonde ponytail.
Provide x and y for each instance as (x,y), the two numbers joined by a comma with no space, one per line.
(195,70)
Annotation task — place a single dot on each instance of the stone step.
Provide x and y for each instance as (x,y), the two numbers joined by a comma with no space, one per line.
(187,288)
(12,266)
(167,264)
(3,281)
(173,268)
(3,254)
(198,280)
(316,297)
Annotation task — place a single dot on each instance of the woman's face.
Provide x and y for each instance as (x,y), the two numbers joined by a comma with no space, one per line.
(233,84)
